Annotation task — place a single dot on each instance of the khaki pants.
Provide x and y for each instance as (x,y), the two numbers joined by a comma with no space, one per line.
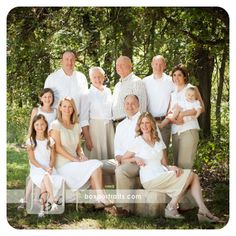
(185,148)
(126,180)
(165,133)
(184,152)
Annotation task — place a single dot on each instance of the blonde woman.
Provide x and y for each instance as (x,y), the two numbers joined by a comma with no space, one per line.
(147,152)
(71,163)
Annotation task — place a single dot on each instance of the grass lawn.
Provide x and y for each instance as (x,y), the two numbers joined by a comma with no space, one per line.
(216,194)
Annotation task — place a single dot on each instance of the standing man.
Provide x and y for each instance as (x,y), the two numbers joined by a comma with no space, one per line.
(66,81)
(126,173)
(129,84)
(159,86)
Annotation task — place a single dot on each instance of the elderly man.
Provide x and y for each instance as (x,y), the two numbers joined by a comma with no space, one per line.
(159,86)
(66,81)
(129,84)
(125,134)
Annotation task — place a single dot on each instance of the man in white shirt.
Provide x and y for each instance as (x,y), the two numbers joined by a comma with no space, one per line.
(159,87)
(129,84)
(66,81)
(124,137)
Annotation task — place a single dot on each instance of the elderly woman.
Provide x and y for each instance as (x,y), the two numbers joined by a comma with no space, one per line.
(147,152)
(96,118)
(71,163)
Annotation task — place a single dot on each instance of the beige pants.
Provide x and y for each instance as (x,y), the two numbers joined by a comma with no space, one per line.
(126,180)
(184,152)
(185,148)
(165,133)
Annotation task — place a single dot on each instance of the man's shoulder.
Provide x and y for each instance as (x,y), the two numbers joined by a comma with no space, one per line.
(135,78)
(79,73)
(54,74)
(121,124)
(147,78)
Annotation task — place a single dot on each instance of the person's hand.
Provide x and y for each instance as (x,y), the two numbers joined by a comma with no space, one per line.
(49,170)
(176,169)
(139,161)
(83,157)
(89,144)
(179,120)
(118,158)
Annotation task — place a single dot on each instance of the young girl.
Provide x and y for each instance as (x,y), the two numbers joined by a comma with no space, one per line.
(46,99)
(41,154)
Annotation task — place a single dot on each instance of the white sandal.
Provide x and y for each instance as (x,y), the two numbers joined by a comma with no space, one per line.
(172,213)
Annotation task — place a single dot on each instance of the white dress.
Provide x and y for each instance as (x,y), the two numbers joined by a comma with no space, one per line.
(42,156)
(50,116)
(76,174)
(154,175)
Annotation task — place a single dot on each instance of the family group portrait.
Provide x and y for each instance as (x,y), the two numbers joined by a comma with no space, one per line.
(118,118)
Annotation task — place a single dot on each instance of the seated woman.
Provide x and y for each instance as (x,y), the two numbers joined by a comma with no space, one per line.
(154,175)
(71,163)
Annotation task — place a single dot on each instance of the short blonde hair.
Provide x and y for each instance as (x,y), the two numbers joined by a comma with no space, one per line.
(74,117)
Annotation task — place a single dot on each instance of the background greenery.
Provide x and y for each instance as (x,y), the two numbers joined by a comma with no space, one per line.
(195,36)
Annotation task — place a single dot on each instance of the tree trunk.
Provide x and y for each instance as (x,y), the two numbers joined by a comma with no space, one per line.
(219,93)
(204,65)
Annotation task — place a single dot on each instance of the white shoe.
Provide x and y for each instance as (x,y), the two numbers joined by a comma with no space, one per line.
(172,213)
(54,207)
(41,214)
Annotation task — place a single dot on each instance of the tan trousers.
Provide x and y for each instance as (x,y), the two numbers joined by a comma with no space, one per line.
(185,148)
(126,180)
(184,152)
(165,133)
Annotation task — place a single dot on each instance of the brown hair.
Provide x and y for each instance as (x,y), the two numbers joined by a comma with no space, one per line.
(184,71)
(33,134)
(46,90)
(154,133)
(74,117)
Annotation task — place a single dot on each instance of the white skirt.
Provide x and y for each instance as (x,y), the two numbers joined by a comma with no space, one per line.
(37,175)
(77,174)
(102,135)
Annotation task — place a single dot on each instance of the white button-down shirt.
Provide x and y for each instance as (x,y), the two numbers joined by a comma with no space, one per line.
(64,85)
(96,104)
(125,134)
(129,85)
(159,93)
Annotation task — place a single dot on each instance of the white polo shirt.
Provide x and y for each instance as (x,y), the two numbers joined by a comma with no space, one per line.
(159,93)
(64,85)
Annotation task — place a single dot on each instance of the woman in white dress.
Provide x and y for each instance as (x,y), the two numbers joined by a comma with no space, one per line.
(71,163)
(147,152)
(41,154)
(96,118)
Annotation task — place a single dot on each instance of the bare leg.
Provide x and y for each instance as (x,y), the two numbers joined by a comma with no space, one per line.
(48,185)
(96,183)
(194,184)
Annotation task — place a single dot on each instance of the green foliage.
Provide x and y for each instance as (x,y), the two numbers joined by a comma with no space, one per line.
(17,123)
